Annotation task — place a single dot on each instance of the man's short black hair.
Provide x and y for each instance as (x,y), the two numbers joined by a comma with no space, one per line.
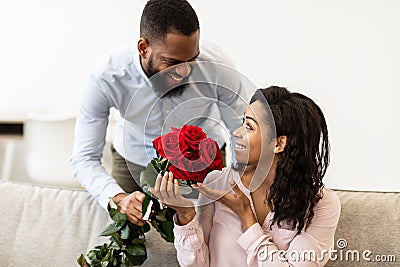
(160,17)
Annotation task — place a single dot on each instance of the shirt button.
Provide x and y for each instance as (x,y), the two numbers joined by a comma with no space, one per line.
(190,228)
(167,111)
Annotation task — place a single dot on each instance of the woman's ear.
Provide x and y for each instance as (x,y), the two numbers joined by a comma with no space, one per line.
(280,144)
(143,47)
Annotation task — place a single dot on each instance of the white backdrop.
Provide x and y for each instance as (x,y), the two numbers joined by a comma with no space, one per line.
(343,54)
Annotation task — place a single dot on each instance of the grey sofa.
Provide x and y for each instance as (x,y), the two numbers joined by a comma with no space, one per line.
(52,226)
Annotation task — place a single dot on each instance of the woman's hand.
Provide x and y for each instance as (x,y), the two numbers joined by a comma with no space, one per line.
(167,191)
(237,202)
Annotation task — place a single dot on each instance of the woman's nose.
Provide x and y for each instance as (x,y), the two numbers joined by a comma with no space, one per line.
(183,70)
(238,132)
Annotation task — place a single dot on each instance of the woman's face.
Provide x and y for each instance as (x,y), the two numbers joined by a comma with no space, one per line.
(252,136)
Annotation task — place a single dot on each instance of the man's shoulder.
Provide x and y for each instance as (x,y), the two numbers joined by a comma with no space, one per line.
(212,52)
(117,60)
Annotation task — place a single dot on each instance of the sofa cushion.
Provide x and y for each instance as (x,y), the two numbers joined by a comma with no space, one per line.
(368,221)
(48,226)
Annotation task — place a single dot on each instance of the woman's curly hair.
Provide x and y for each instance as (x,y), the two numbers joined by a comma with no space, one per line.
(298,184)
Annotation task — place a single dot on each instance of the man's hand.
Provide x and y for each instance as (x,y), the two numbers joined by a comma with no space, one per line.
(131,205)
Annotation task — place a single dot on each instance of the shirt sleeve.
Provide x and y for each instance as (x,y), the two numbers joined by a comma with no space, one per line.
(191,240)
(90,133)
(309,248)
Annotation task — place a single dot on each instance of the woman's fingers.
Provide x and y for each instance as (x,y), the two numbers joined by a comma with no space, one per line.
(156,189)
(236,188)
(164,185)
(209,192)
(170,185)
(177,191)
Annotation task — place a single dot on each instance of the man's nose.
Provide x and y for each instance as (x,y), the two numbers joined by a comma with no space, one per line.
(183,70)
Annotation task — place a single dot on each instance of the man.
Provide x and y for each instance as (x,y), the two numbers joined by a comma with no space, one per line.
(168,52)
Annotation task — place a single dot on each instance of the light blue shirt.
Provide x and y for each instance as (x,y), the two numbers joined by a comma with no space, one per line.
(215,101)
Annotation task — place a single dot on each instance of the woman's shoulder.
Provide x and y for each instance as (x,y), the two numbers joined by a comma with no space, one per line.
(328,204)
(329,196)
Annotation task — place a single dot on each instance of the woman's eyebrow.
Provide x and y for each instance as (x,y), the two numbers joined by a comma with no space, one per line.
(251,118)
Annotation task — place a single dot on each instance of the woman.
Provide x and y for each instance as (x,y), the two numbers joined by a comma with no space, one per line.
(278,212)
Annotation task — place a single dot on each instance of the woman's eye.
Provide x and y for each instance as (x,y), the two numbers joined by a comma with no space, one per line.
(248,126)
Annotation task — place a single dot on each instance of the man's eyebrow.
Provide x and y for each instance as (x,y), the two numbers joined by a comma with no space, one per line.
(251,118)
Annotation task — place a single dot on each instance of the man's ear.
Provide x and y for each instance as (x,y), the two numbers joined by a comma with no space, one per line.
(143,47)
(280,144)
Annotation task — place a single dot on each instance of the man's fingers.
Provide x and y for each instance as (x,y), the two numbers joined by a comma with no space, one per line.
(139,196)
(135,220)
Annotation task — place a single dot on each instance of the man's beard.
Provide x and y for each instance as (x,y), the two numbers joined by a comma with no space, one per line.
(159,83)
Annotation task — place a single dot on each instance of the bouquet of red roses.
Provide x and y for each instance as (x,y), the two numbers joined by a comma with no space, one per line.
(187,153)
(190,156)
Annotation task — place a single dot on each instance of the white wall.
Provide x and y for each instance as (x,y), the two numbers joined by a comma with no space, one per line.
(343,54)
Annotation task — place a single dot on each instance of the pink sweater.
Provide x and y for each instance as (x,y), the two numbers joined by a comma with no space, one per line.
(215,237)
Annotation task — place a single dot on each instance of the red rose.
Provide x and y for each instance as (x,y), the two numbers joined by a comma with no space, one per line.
(210,154)
(198,174)
(168,146)
(191,136)
(190,168)
(158,146)
(191,153)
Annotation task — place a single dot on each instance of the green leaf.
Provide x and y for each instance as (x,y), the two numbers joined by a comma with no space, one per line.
(148,177)
(92,255)
(138,240)
(164,215)
(116,262)
(82,261)
(136,249)
(160,215)
(169,214)
(125,232)
(117,216)
(164,227)
(116,238)
(146,227)
(164,164)
(145,203)
(156,164)
(104,263)
(167,230)
(109,230)
(136,254)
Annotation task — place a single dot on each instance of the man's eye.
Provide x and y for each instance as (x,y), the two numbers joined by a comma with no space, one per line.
(170,62)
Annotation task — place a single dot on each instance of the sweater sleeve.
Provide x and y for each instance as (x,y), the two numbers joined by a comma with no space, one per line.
(309,248)
(191,240)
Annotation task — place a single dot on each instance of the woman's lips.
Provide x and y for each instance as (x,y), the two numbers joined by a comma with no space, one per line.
(239,146)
